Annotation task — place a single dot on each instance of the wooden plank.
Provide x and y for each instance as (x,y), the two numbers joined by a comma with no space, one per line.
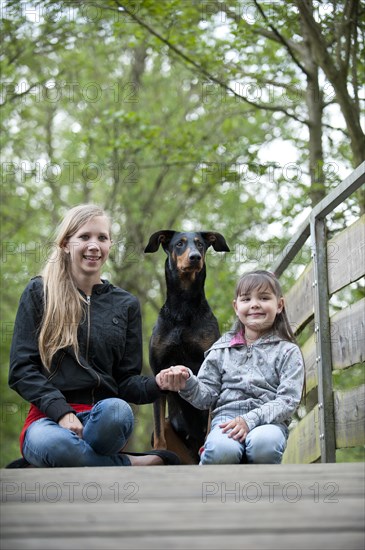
(346,256)
(303,443)
(196,541)
(346,261)
(348,336)
(309,356)
(69,485)
(299,299)
(347,339)
(283,506)
(347,342)
(350,417)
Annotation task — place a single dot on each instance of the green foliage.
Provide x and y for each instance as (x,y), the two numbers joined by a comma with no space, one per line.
(96,108)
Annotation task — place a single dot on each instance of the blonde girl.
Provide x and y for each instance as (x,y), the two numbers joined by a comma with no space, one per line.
(76,355)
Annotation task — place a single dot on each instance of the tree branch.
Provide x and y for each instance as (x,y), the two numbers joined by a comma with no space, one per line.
(15,96)
(335,76)
(320,46)
(345,30)
(272,36)
(201,69)
(281,39)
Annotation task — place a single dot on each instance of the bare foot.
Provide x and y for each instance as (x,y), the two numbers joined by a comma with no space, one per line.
(145,460)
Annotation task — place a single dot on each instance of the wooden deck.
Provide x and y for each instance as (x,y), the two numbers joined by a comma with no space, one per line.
(315,506)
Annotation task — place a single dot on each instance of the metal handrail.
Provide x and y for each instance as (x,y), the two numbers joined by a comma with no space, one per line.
(314,226)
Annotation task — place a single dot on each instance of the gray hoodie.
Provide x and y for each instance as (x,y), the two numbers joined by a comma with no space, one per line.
(261,382)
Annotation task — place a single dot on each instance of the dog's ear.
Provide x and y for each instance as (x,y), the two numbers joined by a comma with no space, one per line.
(162,237)
(215,239)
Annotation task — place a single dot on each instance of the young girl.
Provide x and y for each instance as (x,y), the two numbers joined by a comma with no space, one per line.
(251,378)
(76,355)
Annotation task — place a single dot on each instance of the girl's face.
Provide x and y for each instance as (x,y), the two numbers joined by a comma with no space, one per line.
(89,249)
(257,310)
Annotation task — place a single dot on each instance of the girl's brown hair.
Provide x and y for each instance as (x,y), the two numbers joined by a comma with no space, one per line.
(63,303)
(261,280)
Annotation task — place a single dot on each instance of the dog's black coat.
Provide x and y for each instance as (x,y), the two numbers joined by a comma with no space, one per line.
(186,326)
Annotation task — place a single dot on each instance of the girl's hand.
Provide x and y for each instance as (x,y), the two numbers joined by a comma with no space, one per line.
(70,422)
(237,429)
(173,379)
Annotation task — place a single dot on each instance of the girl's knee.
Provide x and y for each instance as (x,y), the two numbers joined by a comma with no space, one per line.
(117,411)
(264,455)
(222,452)
(109,426)
(265,446)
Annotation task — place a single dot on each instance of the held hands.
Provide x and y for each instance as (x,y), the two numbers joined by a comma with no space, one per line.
(237,429)
(173,379)
(70,422)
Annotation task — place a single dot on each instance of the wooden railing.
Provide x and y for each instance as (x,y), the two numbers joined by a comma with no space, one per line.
(329,418)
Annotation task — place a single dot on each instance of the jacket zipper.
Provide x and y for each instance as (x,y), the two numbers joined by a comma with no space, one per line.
(88,328)
(88,298)
(249,350)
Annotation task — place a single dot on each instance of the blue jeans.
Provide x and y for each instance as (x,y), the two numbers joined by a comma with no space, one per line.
(107,427)
(263,445)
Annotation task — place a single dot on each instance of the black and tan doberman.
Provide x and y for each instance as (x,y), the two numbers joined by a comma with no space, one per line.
(185,329)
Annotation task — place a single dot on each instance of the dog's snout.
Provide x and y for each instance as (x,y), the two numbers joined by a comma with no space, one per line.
(195,256)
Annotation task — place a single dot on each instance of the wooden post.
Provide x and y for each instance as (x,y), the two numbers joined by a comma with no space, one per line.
(323,340)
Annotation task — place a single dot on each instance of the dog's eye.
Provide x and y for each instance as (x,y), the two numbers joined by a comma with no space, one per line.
(179,244)
(199,245)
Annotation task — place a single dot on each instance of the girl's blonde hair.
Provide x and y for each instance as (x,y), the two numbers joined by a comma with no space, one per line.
(63,303)
(261,280)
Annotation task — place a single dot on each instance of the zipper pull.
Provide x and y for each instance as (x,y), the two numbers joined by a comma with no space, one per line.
(249,351)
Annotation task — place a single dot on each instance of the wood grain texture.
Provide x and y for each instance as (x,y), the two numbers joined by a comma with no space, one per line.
(349,409)
(348,336)
(303,443)
(346,256)
(212,507)
(299,301)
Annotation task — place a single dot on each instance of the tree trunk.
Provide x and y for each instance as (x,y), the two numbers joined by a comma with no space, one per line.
(314,101)
(337,77)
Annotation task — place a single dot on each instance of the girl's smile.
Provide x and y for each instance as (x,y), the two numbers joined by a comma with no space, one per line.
(92,259)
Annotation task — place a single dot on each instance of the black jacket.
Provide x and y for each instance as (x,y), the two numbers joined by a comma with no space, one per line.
(110,342)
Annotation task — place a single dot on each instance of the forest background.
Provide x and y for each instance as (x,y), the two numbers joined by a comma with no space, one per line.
(232,116)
